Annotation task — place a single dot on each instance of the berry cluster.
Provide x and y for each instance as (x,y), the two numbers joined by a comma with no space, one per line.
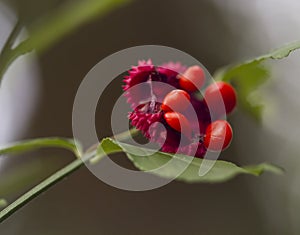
(164,115)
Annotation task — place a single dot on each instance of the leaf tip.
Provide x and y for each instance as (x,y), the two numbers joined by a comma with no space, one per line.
(264,167)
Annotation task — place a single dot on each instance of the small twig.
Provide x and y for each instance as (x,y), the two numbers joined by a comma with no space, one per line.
(12,37)
(7,56)
(38,189)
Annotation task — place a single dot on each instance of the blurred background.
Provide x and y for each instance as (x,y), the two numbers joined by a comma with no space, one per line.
(36,100)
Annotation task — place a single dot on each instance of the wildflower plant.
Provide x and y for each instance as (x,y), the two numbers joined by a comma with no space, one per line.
(178,108)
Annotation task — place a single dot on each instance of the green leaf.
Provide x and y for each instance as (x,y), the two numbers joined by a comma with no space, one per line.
(34,144)
(259,169)
(247,77)
(59,175)
(148,160)
(54,26)
(279,53)
(227,72)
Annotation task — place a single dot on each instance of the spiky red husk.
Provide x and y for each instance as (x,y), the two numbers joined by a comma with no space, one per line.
(147,115)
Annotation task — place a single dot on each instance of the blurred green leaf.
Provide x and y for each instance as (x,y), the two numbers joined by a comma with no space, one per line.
(3,203)
(51,28)
(148,160)
(248,76)
(65,20)
(247,79)
(34,144)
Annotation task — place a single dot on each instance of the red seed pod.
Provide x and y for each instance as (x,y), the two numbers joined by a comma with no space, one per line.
(192,79)
(218,135)
(176,100)
(178,122)
(218,95)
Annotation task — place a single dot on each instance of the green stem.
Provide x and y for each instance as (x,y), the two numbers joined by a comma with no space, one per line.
(38,189)
(56,177)
(12,38)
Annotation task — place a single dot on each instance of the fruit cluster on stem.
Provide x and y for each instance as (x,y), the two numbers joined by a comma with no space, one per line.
(220,98)
(199,134)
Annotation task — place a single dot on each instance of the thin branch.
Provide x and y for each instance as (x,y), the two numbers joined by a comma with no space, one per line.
(12,38)
(43,186)
(56,177)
